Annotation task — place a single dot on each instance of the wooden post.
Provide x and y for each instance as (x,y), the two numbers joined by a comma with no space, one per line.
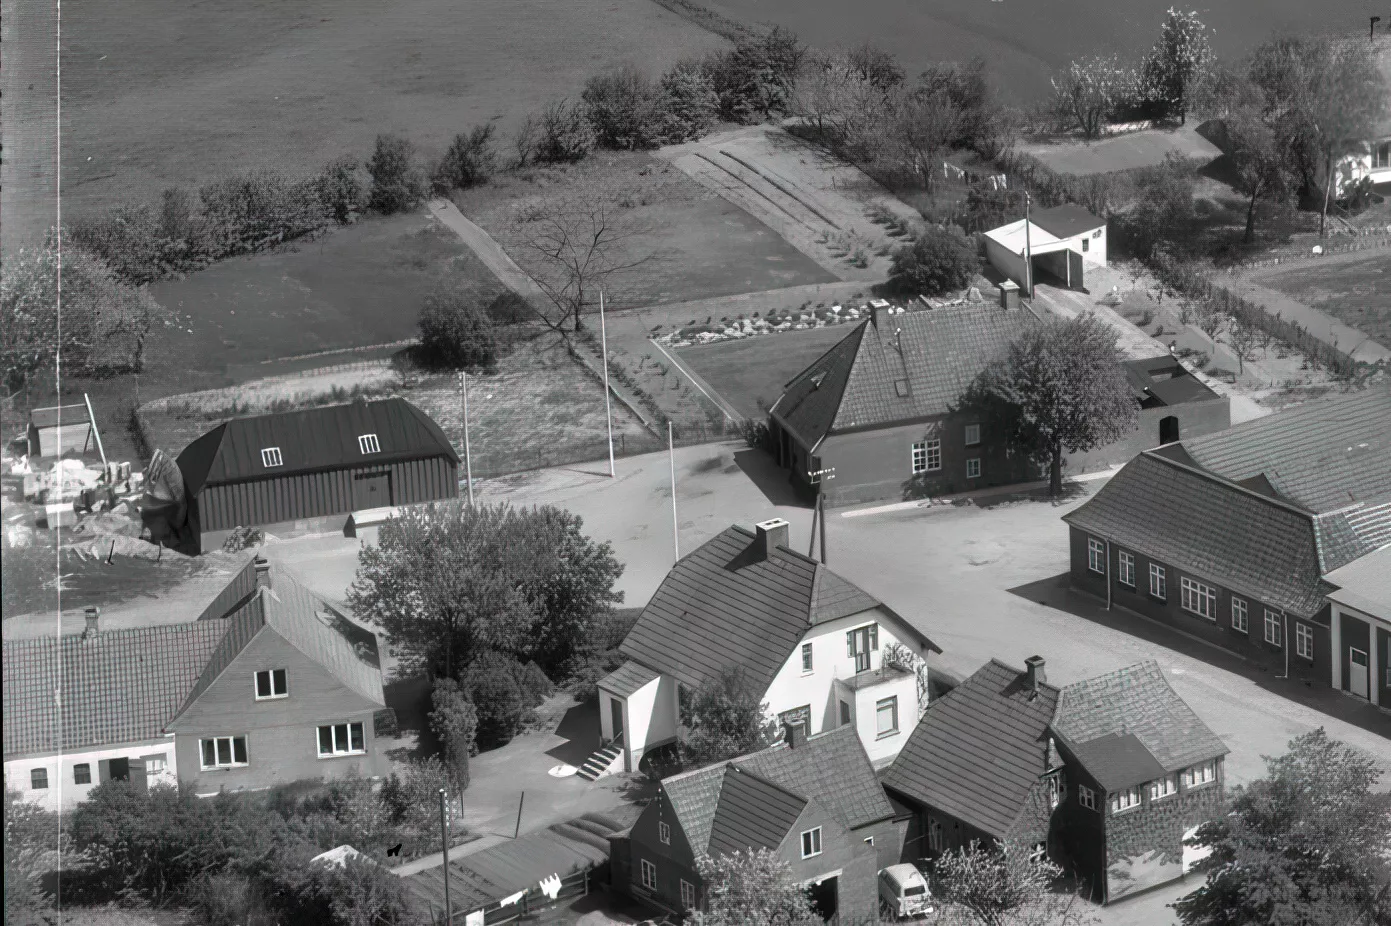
(608,410)
(815,511)
(675,524)
(1028,251)
(520,804)
(444,844)
(92,420)
(821,506)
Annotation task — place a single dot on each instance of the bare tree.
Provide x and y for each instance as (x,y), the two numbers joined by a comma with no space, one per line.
(926,123)
(1091,89)
(1243,339)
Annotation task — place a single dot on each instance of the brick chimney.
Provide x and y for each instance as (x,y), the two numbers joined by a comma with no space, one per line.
(772,534)
(794,733)
(880,312)
(1035,671)
(262,572)
(93,615)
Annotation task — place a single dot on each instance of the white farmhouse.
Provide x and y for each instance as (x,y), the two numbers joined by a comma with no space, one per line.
(814,642)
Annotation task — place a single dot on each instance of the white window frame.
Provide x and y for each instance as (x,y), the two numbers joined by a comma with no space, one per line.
(1159,582)
(869,840)
(1125,800)
(271,457)
(272,675)
(217,742)
(1273,632)
(1096,556)
(1125,571)
(1164,787)
(1086,797)
(1197,598)
(1241,615)
(368,443)
(811,842)
(86,770)
(1196,776)
(157,765)
(972,435)
(927,456)
(890,704)
(1381,155)
(648,872)
(852,649)
(688,894)
(973,468)
(1303,640)
(808,661)
(664,833)
(334,728)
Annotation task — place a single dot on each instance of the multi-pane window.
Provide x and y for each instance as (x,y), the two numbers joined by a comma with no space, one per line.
(973,468)
(1198,598)
(1125,574)
(1125,799)
(806,657)
(1096,556)
(811,842)
(156,765)
(224,752)
(972,435)
(271,683)
(38,779)
(341,739)
(1200,774)
(1272,629)
(1086,797)
(1163,787)
(649,875)
(82,774)
(859,643)
(688,900)
(886,716)
(368,443)
(270,456)
(1158,586)
(1239,612)
(664,833)
(1304,640)
(927,456)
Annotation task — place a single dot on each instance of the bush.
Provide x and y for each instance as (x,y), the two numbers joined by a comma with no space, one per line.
(469,161)
(726,717)
(503,692)
(455,721)
(397,182)
(507,308)
(455,334)
(249,212)
(688,105)
(938,261)
(341,190)
(758,436)
(227,898)
(754,80)
(563,134)
(624,109)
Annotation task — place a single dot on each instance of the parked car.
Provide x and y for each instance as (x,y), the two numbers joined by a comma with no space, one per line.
(903,893)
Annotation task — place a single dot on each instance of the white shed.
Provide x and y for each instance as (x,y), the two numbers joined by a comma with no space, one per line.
(1061,241)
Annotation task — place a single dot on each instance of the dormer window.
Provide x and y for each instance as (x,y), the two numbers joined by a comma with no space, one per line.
(367,443)
(271,683)
(270,456)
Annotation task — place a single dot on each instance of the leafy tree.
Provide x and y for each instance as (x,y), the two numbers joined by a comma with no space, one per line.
(398,183)
(843,106)
(752,887)
(938,261)
(456,333)
(1179,63)
(980,121)
(624,108)
(755,79)
(926,123)
(454,721)
(470,160)
(1310,843)
(877,66)
(30,833)
(688,103)
(1003,886)
(725,717)
(1091,90)
(341,190)
(1060,386)
(563,134)
(1163,215)
(504,693)
(1259,163)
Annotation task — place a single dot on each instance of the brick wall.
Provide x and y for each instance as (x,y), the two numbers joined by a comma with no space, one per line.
(842,851)
(1195,419)
(1144,846)
(888,840)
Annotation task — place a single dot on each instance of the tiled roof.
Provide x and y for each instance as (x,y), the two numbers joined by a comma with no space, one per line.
(978,749)
(1365,583)
(48,417)
(1136,700)
(694,796)
(1165,380)
(628,678)
(811,399)
(1323,455)
(752,813)
(1345,535)
(1118,760)
(832,767)
(117,686)
(1210,528)
(1066,221)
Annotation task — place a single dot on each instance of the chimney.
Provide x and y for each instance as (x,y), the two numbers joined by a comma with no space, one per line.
(772,534)
(1035,670)
(794,733)
(879,311)
(262,572)
(1009,295)
(92,614)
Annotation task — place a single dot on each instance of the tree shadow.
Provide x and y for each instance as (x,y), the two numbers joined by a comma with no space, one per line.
(770,479)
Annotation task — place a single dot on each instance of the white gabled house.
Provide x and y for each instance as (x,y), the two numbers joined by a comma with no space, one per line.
(815,642)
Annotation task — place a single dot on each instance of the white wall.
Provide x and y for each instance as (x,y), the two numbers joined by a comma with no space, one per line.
(60,771)
(1003,260)
(1354,167)
(882,749)
(1096,248)
(650,718)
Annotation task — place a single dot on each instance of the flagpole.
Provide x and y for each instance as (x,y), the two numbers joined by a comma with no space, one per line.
(1028,251)
(468,455)
(608,410)
(675,528)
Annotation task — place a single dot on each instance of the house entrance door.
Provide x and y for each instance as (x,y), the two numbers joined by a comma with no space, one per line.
(1358,679)
(616,706)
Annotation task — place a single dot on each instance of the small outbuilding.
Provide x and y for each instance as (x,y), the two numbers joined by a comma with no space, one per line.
(311,469)
(1060,241)
(60,429)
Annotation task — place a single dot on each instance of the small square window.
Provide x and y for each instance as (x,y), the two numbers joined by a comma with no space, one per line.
(1086,243)
(811,843)
(82,774)
(38,779)
(806,658)
(367,443)
(664,833)
(271,683)
(869,840)
(901,388)
(973,468)
(1086,797)
(972,435)
(270,456)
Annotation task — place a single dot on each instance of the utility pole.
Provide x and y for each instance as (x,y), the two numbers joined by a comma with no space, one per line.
(444,843)
(1028,251)
(468,455)
(675,524)
(818,511)
(608,410)
(821,505)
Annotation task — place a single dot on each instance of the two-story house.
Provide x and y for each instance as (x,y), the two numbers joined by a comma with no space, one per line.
(1107,776)
(270,685)
(812,642)
(814,801)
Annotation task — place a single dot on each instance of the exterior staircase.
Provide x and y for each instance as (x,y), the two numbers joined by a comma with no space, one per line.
(602,761)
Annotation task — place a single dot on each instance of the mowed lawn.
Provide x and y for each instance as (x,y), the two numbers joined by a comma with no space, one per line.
(1357,293)
(157,92)
(750,374)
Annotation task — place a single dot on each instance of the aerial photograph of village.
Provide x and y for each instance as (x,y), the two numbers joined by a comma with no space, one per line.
(707,462)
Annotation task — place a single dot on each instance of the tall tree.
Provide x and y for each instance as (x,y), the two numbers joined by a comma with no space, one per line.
(1060,387)
(1003,885)
(753,887)
(1260,164)
(725,717)
(1310,843)
(1090,90)
(1179,63)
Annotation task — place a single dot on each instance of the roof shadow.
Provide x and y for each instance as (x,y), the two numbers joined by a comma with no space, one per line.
(769,478)
(579,727)
(1057,592)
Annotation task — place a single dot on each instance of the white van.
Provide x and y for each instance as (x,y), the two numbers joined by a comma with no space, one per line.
(903,893)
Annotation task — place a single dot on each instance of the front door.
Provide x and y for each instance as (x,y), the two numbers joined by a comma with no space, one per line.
(371,490)
(1358,680)
(825,897)
(617,708)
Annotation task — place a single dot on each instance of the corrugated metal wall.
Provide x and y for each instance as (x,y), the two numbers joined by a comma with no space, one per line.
(318,495)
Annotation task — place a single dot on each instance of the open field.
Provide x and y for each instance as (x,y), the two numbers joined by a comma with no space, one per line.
(1357,292)
(158,93)
(1135,149)
(750,374)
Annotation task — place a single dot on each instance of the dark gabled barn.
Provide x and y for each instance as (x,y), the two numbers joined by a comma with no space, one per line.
(318,465)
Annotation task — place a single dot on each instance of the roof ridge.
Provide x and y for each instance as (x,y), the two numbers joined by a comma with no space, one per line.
(1224,481)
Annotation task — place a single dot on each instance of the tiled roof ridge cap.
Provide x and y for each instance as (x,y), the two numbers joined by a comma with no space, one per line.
(1224,481)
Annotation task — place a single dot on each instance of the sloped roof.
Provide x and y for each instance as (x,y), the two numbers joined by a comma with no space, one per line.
(723,606)
(1066,221)
(1251,544)
(1322,456)
(811,399)
(1365,584)
(694,796)
(628,678)
(117,686)
(1011,236)
(311,440)
(1118,760)
(48,417)
(834,768)
(978,749)
(752,813)
(1104,713)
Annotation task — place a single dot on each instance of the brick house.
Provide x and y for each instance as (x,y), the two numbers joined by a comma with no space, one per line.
(1228,536)
(269,686)
(814,801)
(1107,776)
(814,644)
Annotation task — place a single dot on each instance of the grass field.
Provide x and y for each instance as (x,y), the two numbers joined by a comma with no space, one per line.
(1357,293)
(751,374)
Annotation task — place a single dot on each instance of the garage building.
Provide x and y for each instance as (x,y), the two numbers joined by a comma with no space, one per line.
(310,470)
(1061,241)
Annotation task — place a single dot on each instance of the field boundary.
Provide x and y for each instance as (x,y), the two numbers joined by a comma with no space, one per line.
(730,412)
(709,20)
